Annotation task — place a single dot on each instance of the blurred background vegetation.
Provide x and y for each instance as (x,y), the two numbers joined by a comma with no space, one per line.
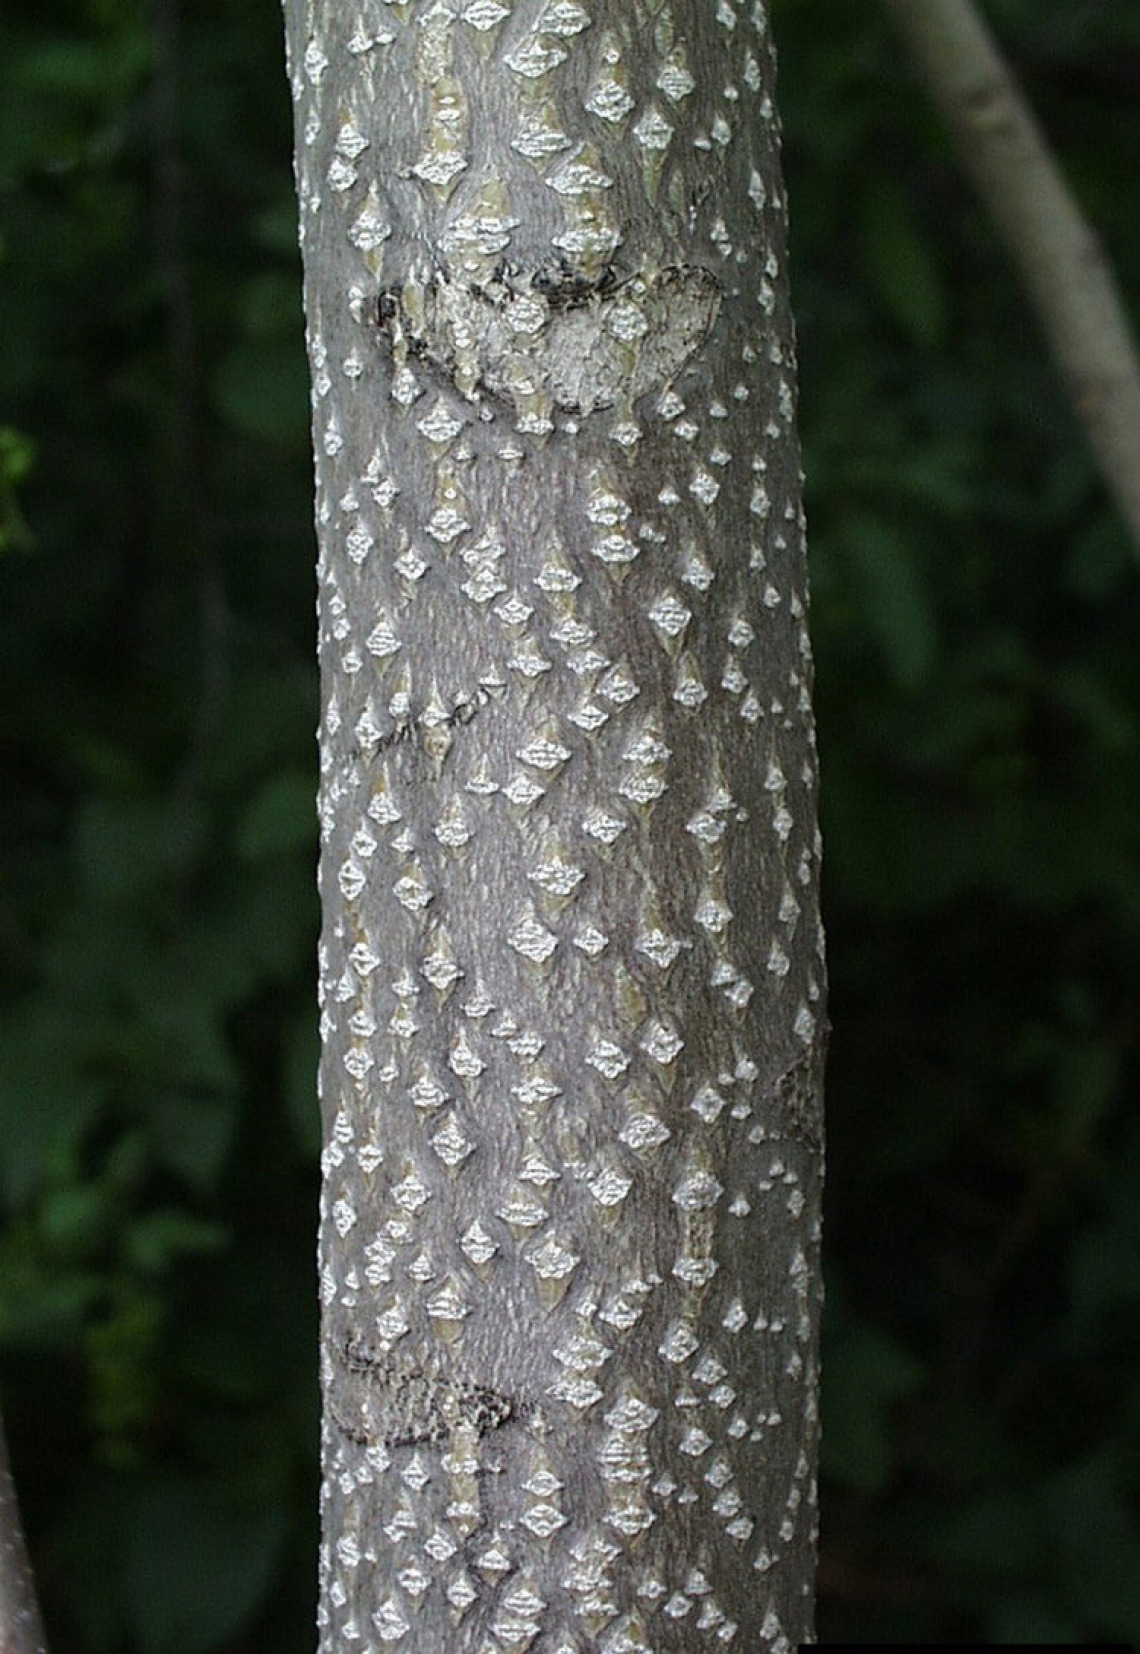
(976,625)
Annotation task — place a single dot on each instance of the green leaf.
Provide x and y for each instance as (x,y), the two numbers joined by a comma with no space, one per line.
(41,1305)
(1093,699)
(265,728)
(275,229)
(122,1349)
(193,1036)
(281,920)
(895,604)
(17,456)
(193,1133)
(196,1565)
(299,1080)
(262,389)
(66,66)
(47,1101)
(155,1240)
(122,847)
(1100,560)
(1103,1277)
(280,818)
(74,1221)
(998,1536)
(901,264)
(1097,1537)
(1032,1617)
(864,1372)
(271,305)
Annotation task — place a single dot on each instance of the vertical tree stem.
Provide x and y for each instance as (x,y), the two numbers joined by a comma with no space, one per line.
(1059,256)
(571,961)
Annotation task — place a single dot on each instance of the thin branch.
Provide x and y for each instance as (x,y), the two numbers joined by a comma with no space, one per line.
(20,1628)
(1061,260)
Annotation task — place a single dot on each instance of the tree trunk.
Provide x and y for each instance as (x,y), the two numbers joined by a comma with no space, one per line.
(571,965)
(20,1628)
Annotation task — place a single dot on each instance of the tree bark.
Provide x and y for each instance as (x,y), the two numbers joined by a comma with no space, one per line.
(20,1629)
(571,962)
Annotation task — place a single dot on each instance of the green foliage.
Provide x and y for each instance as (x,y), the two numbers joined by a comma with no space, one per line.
(158,925)
(901,264)
(196,1564)
(17,456)
(865,1374)
(975,626)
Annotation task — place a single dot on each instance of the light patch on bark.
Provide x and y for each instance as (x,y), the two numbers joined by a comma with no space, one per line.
(576,346)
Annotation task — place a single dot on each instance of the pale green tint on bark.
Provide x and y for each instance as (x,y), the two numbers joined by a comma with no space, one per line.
(571,964)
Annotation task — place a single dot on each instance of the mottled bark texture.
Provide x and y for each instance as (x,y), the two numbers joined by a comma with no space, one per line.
(571,965)
(1057,251)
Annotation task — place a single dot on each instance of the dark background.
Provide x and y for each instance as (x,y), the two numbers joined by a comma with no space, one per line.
(976,626)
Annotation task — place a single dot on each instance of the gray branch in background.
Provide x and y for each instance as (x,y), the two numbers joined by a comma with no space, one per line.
(1058,253)
(20,1628)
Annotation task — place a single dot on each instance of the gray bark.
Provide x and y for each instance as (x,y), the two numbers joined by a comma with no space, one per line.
(571,964)
(20,1629)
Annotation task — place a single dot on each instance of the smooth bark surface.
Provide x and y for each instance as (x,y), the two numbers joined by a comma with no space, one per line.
(571,962)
